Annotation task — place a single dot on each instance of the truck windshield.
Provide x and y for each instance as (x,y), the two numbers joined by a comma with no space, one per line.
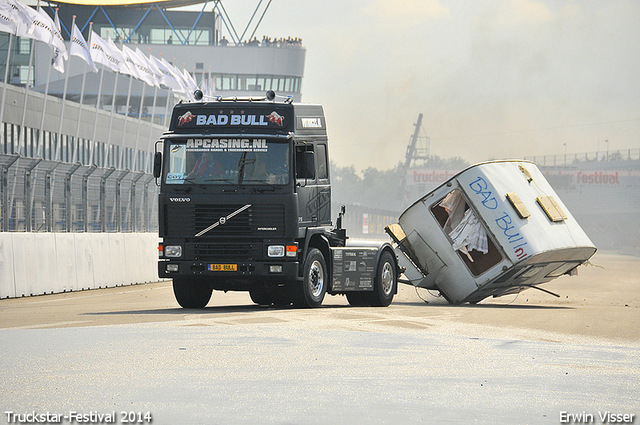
(227,161)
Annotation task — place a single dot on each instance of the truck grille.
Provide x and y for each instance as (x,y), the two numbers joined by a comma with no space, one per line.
(256,221)
(222,252)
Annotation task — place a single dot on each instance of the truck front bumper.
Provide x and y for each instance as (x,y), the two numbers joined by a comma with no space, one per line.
(271,270)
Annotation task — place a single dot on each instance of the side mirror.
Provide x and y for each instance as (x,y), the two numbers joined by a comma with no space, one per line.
(157,164)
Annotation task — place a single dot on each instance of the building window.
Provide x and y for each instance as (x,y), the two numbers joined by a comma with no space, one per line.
(24,47)
(257,83)
(26,77)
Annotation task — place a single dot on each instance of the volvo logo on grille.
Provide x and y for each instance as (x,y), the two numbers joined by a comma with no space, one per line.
(180,199)
(223,220)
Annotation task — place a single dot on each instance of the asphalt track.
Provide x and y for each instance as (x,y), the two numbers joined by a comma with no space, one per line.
(526,359)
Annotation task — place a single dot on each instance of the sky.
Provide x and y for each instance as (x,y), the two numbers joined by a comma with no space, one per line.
(493,79)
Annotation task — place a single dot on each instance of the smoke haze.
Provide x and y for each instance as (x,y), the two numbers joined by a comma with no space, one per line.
(494,79)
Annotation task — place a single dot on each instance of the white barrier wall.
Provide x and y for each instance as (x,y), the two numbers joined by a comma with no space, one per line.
(44,263)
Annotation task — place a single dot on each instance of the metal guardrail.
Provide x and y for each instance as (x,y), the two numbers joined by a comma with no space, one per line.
(366,222)
(581,158)
(52,196)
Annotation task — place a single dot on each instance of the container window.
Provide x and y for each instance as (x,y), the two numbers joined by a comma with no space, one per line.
(467,233)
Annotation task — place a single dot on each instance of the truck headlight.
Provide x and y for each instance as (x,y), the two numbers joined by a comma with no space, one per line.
(173,251)
(275,251)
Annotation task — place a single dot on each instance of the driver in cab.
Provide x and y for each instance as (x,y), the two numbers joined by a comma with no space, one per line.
(207,166)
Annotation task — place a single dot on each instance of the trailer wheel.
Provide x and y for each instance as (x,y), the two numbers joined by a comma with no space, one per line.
(386,281)
(314,283)
(191,294)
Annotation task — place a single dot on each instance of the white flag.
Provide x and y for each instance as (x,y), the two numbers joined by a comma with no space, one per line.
(130,61)
(8,21)
(157,74)
(42,28)
(177,75)
(139,65)
(168,79)
(150,77)
(102,53)
(191,84)
(59,56)
(124,69)
(22,17)
(79,47)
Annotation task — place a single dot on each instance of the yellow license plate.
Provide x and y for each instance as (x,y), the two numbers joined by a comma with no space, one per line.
(223,267)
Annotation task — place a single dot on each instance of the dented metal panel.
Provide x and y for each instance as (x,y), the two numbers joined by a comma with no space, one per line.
(486,232)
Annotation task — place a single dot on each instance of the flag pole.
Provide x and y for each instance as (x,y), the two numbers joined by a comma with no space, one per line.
(113,102)
(46,94)
(26,93)
(155,93)
(126,111)
(113,106)
(64,97)
(139,122)
(166,107)
(44,106)
(95,121)
(4,87)
(84,79)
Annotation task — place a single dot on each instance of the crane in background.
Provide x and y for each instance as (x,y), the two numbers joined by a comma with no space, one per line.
(417,152)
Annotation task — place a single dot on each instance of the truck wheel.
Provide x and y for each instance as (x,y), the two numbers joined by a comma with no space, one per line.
(386,281)
(191,294)
(314,283)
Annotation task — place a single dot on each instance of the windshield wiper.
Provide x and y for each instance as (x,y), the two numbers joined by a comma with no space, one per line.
(190,180)
(241,164)
(220,179)
(260,181)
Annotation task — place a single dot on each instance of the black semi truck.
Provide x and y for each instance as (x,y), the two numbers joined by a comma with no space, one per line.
(245,205)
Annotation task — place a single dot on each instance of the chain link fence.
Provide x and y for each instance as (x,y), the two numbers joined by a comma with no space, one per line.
(52,196)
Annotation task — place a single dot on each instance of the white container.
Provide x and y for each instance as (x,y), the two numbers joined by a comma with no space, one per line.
(493,229)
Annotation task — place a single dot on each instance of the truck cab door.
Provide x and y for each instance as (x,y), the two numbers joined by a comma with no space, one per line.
(323,195)
(306,185)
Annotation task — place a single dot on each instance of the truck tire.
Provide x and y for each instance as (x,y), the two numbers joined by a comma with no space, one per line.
(313,287)
(191,294)
(384,286)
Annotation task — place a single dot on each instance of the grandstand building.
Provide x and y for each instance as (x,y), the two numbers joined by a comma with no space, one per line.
(204,43)
(76,147)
